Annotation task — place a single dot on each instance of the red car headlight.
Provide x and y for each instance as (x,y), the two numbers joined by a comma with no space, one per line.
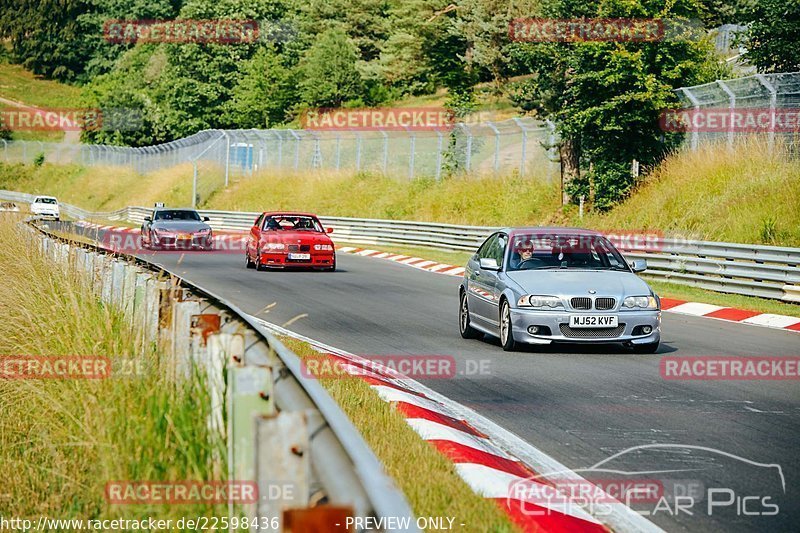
(273,246)
(323,247)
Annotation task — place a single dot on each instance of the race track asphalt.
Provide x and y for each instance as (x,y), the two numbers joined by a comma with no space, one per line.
(579,405)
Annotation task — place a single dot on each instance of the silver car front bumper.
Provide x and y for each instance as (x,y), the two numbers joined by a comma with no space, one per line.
(559,331)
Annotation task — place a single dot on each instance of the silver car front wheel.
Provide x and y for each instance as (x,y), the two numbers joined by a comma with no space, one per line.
(506,332)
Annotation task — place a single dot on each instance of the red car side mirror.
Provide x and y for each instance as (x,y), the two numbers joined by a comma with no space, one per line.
(328,230)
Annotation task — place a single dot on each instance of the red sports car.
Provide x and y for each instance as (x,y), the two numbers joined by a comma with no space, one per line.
(285,239)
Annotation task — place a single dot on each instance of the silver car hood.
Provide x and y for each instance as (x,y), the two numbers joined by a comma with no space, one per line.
(179,225)
(579,282)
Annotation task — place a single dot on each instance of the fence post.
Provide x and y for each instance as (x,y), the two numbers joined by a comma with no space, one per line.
(338,150)
(281,458)
(496,146)
(696,103)
(521,126)
(773,101)
(732,107)
(182,352)
(296,149)
(439,142)
(249,397)
(412,153)
(385,151)
(468,162)
(194,185)
(227,157)
(358,152)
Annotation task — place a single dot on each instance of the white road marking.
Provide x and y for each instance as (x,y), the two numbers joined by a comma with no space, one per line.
(695,308)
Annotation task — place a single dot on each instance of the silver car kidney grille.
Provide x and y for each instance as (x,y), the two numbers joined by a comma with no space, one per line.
(604,304)
(582,303)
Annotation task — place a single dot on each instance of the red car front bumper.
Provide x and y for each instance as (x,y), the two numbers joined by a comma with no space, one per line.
(317,259)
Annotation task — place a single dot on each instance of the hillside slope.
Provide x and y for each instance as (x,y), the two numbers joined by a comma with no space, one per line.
(746,195)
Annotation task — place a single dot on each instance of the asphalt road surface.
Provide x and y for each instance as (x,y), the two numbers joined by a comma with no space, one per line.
(578,404)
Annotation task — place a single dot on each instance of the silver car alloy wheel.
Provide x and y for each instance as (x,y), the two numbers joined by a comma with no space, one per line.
(464,315)
(505,323)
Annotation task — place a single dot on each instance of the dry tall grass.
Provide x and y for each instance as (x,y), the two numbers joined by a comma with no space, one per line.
(748,194)
(458,200)
(62,440)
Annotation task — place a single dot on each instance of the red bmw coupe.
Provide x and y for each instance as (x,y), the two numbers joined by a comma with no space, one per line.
(286,239)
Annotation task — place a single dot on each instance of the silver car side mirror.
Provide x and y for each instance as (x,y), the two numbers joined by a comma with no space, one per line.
(638,265)
(489,263)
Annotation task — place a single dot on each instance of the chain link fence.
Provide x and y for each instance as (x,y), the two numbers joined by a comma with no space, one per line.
(521,144)
(773,98)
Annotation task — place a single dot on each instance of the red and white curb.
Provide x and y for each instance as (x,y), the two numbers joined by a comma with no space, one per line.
(669,305)
(416,262)
(487,457)
(730,314)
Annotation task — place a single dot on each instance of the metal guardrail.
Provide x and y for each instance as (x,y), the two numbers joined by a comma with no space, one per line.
(281,426)
(747,269)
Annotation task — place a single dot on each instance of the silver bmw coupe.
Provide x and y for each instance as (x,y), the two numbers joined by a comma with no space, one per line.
(564,285)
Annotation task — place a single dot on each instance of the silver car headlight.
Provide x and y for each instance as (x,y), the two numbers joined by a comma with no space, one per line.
(540,302)
(640,302)
(204,231)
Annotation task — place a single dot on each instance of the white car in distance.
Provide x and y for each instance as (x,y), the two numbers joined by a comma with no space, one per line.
(46,207)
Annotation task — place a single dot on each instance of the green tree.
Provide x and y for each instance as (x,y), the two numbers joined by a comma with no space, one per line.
(329,76)
(265,92)
(484,27)
(773,37)
(64,39)
(606,97)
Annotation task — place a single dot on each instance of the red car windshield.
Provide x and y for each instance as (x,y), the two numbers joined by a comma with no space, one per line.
(292,222)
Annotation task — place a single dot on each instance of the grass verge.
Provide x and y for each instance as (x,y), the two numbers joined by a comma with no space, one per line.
(748,194)
(100,188)
(664,289)
(20,85)
(62,440)
(428,479)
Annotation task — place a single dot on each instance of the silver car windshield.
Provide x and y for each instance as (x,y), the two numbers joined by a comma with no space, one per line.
(539,251)
(177,214)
